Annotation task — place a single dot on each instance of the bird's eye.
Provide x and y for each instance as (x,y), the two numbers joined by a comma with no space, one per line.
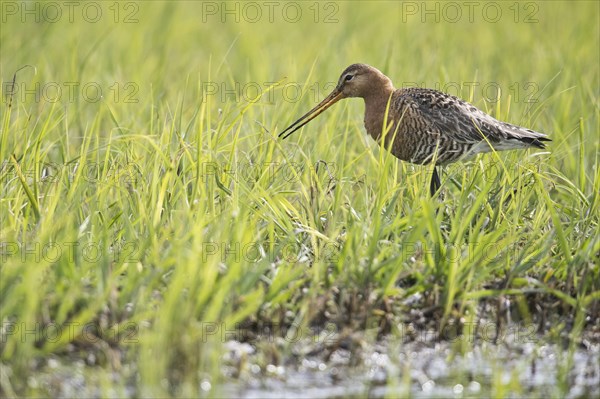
(349,77)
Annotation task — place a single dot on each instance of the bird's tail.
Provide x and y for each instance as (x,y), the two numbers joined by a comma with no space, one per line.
(523,137)
(535,141)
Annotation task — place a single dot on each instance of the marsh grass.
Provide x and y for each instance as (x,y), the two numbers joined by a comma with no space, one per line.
(140,236)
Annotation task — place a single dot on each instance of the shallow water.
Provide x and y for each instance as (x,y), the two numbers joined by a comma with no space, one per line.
(355,368)
(430,370)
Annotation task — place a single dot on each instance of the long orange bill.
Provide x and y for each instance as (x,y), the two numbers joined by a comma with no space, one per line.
(331,99)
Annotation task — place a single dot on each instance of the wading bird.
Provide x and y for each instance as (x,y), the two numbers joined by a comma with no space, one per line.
(422,125)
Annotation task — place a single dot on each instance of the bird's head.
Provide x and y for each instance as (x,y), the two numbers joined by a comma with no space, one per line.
(358,80)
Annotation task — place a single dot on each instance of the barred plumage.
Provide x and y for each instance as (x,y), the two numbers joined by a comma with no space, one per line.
(423,125)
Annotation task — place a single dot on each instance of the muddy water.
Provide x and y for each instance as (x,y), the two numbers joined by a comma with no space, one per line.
(426,370)
(352,367)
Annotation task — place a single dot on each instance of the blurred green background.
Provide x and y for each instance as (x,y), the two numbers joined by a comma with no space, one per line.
(140,55)
(169,48)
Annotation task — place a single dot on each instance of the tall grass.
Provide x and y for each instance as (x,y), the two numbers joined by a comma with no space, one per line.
(142,229)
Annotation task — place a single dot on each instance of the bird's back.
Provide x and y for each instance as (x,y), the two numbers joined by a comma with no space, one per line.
(428,124)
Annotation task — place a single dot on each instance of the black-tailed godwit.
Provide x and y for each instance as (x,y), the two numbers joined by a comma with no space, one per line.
(423,125)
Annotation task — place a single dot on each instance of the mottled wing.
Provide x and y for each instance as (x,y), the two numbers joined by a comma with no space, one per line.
(459,127)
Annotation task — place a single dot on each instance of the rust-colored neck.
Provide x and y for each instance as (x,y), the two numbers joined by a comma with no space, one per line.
(376,102)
